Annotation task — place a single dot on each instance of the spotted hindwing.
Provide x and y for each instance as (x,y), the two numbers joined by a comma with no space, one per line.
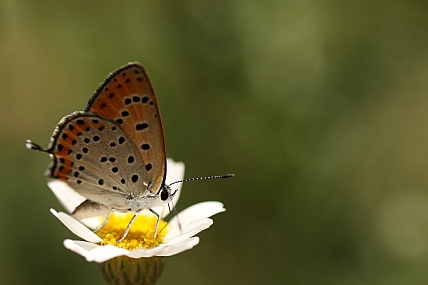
(97,159)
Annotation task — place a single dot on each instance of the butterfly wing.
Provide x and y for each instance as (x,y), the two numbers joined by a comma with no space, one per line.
(97,159)
(127,98)
(114,149)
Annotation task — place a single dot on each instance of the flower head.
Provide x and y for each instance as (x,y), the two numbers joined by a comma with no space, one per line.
(174,237)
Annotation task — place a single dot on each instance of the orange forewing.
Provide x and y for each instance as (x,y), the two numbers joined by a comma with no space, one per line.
(127,97)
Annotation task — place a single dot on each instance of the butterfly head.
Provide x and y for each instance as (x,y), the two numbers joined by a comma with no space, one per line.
(164,195)
(136,202)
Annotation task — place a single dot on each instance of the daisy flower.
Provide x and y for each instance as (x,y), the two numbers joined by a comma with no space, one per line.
(139,242)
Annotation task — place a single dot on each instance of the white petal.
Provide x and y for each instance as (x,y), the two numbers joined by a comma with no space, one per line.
(183,246)
(175,172)
(95,252)
(76,227)
(66,195)
(163,250)
(198,211)
(193,228)
(93,222)
(145,252)
(79,244)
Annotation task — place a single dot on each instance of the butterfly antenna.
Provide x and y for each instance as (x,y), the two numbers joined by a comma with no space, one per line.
(175,211)
(30,145)
(203,178)
(191,179)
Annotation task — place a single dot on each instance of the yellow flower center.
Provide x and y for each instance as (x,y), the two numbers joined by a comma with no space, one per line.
(140,235)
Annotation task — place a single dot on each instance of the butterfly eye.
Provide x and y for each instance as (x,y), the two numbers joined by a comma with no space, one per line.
(164,195)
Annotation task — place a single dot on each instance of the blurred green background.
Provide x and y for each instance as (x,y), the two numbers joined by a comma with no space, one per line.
(319,109)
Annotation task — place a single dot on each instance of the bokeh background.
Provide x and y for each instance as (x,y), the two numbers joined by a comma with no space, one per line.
(320,109)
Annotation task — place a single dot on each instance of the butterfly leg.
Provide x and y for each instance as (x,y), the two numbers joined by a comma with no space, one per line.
(171,214)
(128,227)
(104,222)
(157,223)
(175,210)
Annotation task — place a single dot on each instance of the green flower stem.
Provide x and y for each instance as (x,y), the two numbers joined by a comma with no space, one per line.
(124,270)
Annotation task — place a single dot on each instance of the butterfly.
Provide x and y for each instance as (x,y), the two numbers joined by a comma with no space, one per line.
(113,153)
